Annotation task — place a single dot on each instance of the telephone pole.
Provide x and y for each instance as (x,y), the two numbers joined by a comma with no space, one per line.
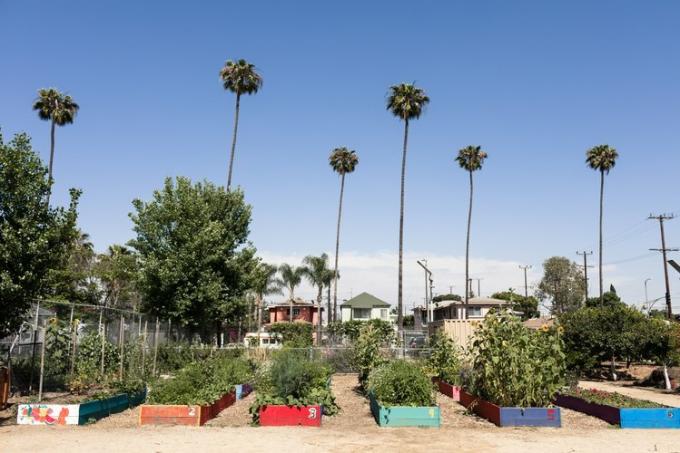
(663,251)
(526,285)
(479,286)
(585,269)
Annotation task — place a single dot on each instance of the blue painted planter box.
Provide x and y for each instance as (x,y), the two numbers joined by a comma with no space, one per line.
(394,416)
(662,417)
(243,390)
(512,416)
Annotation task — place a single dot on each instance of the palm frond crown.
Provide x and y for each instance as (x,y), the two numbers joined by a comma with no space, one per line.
(471,158)
(315,269)
(53,105)
(291,276)
(265,281)
(240,77)
(406,101)
(343,160)
(601,158)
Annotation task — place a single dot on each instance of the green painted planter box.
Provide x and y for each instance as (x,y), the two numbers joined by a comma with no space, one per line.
(97,409)
(395,416)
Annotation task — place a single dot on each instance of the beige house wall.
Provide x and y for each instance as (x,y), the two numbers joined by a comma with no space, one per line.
(459,330)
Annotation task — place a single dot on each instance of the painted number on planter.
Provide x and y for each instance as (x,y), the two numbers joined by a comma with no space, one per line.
(312,413)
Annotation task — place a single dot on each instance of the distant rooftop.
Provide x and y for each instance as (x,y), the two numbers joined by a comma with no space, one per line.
(365,300)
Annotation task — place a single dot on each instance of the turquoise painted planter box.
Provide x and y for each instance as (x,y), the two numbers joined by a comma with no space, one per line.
(395,416)
(98,409)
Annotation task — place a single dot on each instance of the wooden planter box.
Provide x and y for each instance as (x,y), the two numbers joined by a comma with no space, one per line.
(424,416)
(511,416)
(243,390)
(76,414)
(190,415)
(662,417)
(452,391)
(279,415)
(4,386)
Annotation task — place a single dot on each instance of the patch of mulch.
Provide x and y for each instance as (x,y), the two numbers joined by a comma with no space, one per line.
(236,415)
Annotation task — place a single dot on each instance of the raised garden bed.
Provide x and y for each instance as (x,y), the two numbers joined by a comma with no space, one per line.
(280,415)
(511,416)
(452,391)
(593,402)
(190,415)
(76,414)
(394,416)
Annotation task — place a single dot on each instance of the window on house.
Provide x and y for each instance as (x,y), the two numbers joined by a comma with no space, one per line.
(473,312)
(361,313)
(296,312)
(383,313)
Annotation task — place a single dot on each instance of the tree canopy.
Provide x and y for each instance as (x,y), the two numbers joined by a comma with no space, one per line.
(195,258)
(34,238)
(528,306)
(563,283)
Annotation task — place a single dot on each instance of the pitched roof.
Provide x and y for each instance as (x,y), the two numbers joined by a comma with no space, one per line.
(365,300)
(474,301)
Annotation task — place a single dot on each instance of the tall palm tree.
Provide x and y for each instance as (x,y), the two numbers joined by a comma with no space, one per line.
(265,283)
(316,271)
(406,102)
(291,276)
(239,77)
(343,161)
(601,158)
(471,159)
(59,109)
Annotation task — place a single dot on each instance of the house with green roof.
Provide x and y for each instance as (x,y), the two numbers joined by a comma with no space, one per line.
(364,307)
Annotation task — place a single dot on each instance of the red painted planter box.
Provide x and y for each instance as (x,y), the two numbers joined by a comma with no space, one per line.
(192,415)
(452,391)
(481,407)
(275,415)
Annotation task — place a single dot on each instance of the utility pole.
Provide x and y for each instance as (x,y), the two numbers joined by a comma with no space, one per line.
(428,298)
(479,286)
(526,285)
(647,296)
(663,251)
(450,289)
(585,269)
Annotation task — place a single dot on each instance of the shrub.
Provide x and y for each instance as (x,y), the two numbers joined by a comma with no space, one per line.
(366,352)
(352,329)
(401,383)
(513,365)
(444,360)
(201,382)
(293,379)
(294,334)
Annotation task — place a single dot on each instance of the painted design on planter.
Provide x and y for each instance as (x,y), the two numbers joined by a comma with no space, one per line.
(48,414)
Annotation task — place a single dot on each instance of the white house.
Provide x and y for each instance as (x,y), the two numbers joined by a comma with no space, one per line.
(364,307)
(477,308)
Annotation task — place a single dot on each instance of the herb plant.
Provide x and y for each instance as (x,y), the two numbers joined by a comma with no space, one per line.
(401,383)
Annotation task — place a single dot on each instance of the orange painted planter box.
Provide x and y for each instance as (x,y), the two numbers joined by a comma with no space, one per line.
(191,415)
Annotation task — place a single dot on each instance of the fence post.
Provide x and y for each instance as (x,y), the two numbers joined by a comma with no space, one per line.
(144,343)
(121,343)
(35,340)
(167,337)
(42,363)
(102,332)
(74,344)
(155,346)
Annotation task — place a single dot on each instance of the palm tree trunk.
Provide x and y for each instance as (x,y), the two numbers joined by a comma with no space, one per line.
(601,214)
(400,295)
(328,294)
(318,316)
(233,140)
(290,311)
(337,252)
(259,318)
(49,174)
(467,251)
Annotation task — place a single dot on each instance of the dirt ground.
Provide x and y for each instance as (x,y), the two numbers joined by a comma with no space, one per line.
(353,430)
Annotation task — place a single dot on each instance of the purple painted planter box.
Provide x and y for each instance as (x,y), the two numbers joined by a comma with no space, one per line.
(609,414)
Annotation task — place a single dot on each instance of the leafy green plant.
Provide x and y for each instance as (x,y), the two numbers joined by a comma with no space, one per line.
(444,360)
(401,383)
(366,352)
(294,334)
(516,366)
(88,364)
(293,379)
(352,329)
(610,398)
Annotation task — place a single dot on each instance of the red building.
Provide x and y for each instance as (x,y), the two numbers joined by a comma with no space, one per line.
(302,312)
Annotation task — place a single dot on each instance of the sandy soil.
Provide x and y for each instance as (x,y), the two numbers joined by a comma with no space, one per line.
(353,430)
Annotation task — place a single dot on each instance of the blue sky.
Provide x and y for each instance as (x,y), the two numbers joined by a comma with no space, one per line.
(535,83)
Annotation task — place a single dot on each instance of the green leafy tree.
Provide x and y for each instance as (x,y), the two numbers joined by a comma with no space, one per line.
(528,306)
(563,283)
(343,161)
(34,238)
(406,102)
(239,77)
(443,297)
(118,272)
(57,108)
(601,158)
(470,159)
(194,255)
(291,276)
(74,279)
(608,299)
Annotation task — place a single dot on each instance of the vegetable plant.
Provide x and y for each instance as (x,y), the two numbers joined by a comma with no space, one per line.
(513,365)
(401,383)
(366,352)
(444,360)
